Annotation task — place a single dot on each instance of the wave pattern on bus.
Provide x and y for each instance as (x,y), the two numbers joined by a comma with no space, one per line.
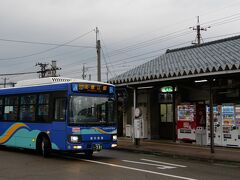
(8,133)
(102,131)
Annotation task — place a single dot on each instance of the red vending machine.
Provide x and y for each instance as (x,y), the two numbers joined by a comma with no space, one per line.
(186,123)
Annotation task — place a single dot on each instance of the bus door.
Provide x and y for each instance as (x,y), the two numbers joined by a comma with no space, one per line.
(58,135)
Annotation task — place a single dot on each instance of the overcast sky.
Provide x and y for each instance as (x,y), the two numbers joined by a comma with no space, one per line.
(131,32)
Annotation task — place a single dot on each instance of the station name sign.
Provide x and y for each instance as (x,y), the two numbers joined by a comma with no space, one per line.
(92,88)
(167,89)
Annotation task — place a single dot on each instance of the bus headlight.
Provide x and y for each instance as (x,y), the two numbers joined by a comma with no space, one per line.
(114,145)
(74,139)
(114,137)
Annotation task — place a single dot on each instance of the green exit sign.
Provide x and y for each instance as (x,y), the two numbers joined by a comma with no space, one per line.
(167,89)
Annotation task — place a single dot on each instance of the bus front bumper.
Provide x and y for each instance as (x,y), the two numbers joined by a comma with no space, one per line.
(95,146)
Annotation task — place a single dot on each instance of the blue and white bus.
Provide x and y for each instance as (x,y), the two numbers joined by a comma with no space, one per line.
(58,114)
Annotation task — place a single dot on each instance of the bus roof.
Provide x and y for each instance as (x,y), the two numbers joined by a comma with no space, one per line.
(44,84)
(53,80)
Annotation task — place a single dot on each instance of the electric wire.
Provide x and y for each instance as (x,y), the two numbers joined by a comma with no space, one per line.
(103,46)
(44,43)
(46,50)
(223,22)
(20,73)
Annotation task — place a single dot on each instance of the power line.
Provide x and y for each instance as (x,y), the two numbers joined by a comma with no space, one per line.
(118,63)
(147,41)
(105,59)
(121,50)
(111,55)
(106,64)
(219,9)
(20,73)
(219,19)
(150,44)
(47,50)
(44,43)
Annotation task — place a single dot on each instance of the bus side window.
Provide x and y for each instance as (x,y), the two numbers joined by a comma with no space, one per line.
(28,108)
(43,108)
(11,108)
(60,109)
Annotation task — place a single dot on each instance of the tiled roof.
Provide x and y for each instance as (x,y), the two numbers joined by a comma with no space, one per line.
(216,56)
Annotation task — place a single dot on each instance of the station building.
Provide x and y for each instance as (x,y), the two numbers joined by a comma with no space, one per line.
(172,93)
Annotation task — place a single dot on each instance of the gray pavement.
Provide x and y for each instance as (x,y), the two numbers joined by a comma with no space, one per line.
(185,150)
(108,165)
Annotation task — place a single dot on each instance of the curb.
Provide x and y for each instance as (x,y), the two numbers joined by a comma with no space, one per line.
(210,159)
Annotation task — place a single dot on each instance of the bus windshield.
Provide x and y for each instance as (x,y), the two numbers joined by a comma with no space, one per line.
(91,110)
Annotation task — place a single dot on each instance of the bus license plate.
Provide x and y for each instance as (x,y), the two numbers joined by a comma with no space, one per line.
(97,147)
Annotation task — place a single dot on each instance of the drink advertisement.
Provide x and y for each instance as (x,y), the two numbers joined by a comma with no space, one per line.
(186,112)
(186,124)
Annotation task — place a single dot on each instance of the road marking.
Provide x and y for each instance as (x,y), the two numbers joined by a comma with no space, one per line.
(159,166)
(136,169)
(160,162)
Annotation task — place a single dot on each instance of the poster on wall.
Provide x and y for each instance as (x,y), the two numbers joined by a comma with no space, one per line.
(186,112)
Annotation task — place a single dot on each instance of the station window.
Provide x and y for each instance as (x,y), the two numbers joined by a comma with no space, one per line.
(43,107)
(60,109)
(11,108)
(166,112)
(28,108)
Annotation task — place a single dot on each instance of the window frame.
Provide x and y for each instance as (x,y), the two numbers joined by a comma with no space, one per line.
(4,105)
(65,107)
(30,104)
(38,120)
(166,118)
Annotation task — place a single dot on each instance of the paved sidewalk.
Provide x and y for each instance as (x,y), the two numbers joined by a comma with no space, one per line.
(191,151)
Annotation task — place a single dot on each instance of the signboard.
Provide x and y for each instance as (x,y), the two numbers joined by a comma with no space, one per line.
(167,89)
(92,88)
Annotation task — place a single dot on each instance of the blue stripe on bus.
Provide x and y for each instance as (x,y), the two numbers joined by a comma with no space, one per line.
(22,90)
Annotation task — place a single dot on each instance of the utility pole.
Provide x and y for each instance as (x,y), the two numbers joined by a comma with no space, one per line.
(198,28)
(54,69)
(211,117)
(98,47)
(48,72)
(84,70)
(42,72)
(4,82)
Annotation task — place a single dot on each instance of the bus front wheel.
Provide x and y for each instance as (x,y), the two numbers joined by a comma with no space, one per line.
(45,147)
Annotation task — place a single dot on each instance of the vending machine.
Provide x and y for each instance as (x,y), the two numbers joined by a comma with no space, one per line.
(186,124)
(230,131)
(237,121)
(217,125)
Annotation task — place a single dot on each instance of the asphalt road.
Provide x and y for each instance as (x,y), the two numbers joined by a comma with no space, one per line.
(108,165)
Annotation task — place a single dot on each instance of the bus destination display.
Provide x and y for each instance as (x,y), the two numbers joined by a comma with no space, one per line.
(92,88)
